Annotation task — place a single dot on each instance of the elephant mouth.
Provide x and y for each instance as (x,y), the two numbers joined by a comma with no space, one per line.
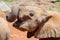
(18,23)
(21,21)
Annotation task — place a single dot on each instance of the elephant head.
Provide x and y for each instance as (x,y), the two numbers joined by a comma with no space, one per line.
(30,17)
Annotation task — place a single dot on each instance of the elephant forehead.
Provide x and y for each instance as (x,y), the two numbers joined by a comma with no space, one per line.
(32,8)
(36,9)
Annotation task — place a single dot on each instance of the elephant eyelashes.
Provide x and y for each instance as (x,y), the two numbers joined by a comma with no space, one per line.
(31,14)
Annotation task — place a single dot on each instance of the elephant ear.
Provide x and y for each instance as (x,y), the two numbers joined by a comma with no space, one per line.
(40,32)
(31,34)
(44,18)
(48,29)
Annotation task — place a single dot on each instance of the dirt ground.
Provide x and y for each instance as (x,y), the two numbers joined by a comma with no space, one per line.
(16,34)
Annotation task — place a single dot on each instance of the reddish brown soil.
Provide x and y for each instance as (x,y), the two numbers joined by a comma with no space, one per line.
(16,34)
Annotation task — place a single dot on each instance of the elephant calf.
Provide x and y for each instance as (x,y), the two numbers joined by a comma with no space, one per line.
(37,21)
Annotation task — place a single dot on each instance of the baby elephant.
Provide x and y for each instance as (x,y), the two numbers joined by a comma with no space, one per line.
(4,29)
(43,24)
(40,23)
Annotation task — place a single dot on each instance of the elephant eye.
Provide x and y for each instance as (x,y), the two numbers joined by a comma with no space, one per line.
(31,14)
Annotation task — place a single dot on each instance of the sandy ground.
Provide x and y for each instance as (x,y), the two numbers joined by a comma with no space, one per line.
(16,34)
